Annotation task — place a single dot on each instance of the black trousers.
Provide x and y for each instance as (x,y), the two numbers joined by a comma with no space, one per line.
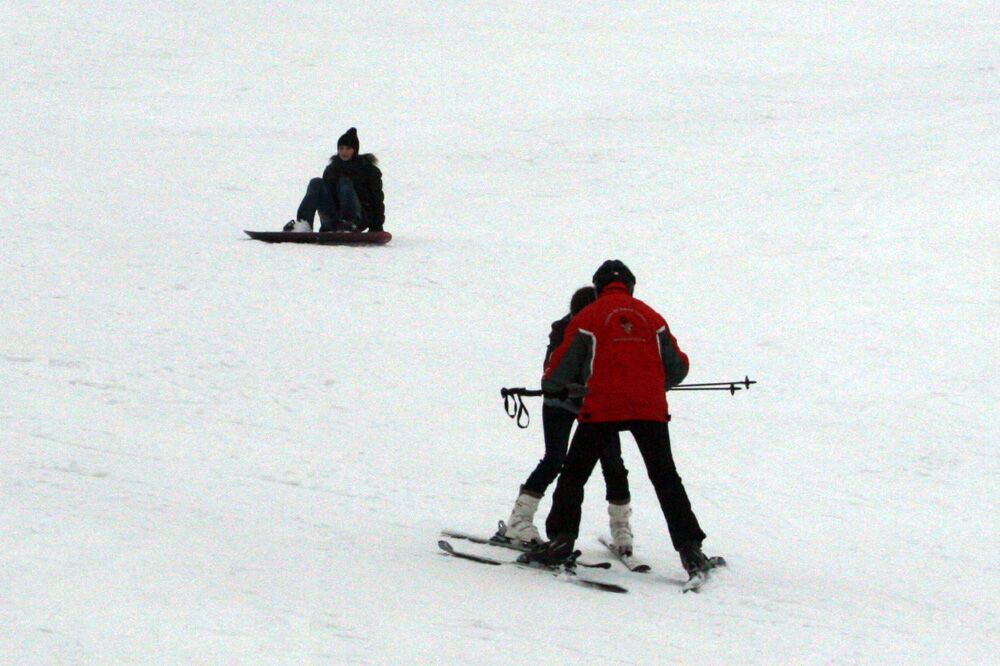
(557,423)
(653,439)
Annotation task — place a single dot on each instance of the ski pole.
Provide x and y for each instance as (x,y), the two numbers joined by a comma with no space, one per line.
(513,398)
(515,407)
(745,382)
(732,388)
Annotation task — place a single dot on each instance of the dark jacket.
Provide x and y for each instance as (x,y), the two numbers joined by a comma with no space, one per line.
(623,351)
(367,179)
(556,336)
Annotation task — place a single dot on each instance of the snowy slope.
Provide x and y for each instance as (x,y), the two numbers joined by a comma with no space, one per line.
(220,451)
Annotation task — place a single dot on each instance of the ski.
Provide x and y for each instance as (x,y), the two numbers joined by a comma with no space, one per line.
(562,573)
(498,539)
(630,561)
(699,578)
(501,541)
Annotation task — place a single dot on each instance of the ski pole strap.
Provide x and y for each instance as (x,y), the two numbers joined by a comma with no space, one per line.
(514,405)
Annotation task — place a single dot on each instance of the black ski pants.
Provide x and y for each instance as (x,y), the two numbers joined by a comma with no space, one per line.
(589,442)
(557,423)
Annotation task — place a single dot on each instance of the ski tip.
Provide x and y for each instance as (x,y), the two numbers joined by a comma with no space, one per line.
(445,546)
(611,587)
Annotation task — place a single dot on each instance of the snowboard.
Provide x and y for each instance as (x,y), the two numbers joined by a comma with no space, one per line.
(323,237)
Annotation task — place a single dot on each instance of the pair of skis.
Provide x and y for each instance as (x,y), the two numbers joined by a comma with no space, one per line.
(565,572)
(568,573)
(501,540)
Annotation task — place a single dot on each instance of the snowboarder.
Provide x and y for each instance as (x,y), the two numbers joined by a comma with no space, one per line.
(349,195)
(558,415)
(623,353)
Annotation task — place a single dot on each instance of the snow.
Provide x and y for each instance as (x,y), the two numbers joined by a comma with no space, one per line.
(221,451)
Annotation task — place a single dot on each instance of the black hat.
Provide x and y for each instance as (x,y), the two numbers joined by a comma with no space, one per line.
(350,138)
(610,271)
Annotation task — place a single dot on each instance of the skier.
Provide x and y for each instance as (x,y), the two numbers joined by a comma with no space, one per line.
(622,351)
(348,197)
(558,415)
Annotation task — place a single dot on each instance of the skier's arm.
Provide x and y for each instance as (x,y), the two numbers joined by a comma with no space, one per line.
(675,362)
(570,363)
(556,336)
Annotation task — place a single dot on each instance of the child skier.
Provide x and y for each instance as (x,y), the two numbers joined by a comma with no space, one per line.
(558,415)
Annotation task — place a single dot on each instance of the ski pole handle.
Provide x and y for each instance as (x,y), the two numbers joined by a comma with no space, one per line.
(514,405)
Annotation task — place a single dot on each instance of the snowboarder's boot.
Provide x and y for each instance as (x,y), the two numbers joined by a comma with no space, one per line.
(298,225)
(553,553)
(621,530)
(520,525)
(692,559)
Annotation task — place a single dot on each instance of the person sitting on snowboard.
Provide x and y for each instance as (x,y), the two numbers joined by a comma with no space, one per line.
(349,195)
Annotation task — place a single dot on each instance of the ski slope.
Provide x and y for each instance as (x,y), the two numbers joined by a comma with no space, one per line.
(221,451)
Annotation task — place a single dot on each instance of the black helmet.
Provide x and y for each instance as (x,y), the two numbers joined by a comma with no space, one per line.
(613,270)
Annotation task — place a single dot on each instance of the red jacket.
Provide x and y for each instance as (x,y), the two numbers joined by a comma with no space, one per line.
(624,353)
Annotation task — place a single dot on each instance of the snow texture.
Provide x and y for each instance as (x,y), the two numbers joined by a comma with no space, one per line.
(221,451)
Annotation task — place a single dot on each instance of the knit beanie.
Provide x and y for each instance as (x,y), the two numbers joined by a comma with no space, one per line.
(349,138)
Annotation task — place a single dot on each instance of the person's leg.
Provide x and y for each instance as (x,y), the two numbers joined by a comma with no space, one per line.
(317,198)
(556,425)
(588,442)
(350,204)
(653,439)
(618,496)
(615,474)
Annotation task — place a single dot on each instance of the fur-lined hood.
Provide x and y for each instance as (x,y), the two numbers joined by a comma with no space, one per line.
(367,157)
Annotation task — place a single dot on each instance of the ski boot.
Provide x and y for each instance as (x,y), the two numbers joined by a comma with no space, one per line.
(695,562)
(621,530)
(553,554)
(520,526)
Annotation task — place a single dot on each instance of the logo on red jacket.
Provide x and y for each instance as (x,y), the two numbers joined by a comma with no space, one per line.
(625,324)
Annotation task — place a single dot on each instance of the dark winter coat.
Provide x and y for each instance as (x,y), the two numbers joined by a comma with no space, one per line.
(624,353)
(556,336)
(367,180)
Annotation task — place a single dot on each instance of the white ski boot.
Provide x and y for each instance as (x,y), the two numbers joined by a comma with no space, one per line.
(621,530)
(520,525)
